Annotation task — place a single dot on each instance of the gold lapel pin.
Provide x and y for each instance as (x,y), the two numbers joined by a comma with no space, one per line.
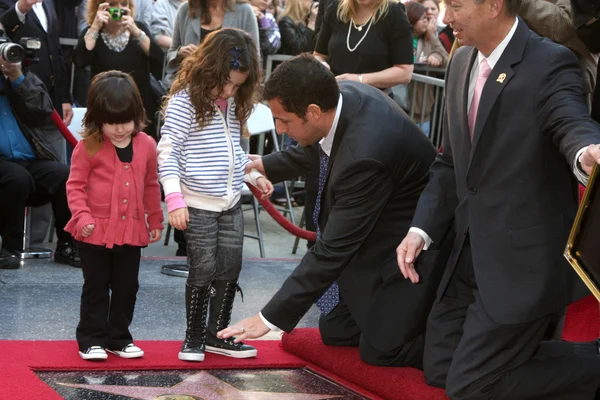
(501,78)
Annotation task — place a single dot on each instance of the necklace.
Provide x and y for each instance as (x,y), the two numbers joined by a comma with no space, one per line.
(359,28)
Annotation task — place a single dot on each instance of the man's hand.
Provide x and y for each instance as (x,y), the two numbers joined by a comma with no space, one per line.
(590,157)
(255,163)
(265,186)
(12,71)
(250,328)
(26,5)
(407,253)
(67,109)
(155,235)
(88,230)
(185,51)
(179,218)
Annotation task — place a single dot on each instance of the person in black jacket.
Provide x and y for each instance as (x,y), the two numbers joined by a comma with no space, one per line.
(370,182)
(297,27)
(33,18)
(29,168)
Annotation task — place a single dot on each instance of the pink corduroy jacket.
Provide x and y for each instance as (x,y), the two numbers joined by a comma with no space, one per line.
(113,195)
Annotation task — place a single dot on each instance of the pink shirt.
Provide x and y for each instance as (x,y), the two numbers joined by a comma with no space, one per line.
(113,195)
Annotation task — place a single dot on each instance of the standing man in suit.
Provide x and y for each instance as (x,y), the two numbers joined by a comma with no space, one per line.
(516,131)
(37,19)
(373,163)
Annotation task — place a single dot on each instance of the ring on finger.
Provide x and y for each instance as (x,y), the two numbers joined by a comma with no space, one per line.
(242,329)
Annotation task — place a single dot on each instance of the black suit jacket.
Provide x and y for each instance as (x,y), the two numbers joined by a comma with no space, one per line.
(51,68)
(512,189)
(377,169)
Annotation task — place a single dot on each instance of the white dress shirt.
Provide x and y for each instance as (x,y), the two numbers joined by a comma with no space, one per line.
(38,9)
(326,145)
(492,60)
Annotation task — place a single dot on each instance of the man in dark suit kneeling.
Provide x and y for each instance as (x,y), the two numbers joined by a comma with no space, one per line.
(373,163)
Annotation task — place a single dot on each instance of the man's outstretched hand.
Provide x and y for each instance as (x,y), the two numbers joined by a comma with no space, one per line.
(250,328)
(255,163)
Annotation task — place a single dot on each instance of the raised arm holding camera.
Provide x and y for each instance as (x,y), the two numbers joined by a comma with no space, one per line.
(37,19)
(115,41)
(115,20)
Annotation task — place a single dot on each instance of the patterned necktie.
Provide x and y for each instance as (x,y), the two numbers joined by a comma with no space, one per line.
(484,72)
(331,297)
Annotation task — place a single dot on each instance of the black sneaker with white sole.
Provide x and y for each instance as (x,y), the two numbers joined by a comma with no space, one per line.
(94,353)
(227,347)
(129,351)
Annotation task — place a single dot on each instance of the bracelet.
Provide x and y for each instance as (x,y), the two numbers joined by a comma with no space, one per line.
(141,36)
(360,78)
(93,34)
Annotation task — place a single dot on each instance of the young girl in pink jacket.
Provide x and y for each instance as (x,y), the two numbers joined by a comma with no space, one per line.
(114,196)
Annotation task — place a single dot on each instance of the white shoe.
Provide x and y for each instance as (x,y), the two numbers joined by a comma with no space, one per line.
(94,353)
(129,351)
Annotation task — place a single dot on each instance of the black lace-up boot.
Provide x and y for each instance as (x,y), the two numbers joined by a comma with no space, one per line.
(196,307)
(221,305)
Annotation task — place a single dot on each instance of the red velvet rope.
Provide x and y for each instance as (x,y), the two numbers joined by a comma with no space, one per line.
(267,205)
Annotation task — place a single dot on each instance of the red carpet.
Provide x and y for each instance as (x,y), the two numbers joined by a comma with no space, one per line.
(302,348)
(581,324)
(387,382)
(19,360)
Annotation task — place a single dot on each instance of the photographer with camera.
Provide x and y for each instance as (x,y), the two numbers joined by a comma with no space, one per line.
(37,18)
(115,41)
(30,170)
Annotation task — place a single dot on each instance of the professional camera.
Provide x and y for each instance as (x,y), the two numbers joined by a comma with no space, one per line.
(116,13)
(15,53)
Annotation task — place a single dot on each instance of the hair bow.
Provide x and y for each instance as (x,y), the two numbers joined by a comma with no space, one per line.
(236,53)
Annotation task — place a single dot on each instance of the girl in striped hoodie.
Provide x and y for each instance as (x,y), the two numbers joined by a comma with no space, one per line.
(202,171)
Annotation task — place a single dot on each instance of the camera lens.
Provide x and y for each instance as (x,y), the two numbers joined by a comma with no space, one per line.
(11,52)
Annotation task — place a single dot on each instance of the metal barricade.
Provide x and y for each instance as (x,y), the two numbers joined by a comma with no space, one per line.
(424,82)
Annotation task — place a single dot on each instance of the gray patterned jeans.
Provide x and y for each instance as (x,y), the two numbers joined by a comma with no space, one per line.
(214,245)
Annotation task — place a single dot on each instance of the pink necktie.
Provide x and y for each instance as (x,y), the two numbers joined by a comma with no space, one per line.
(484,72)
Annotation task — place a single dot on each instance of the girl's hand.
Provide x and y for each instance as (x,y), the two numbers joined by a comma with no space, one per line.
(265,186)
(179,218)
(155,235)
(88,230)
(431,28)
(102,17)
(433,61)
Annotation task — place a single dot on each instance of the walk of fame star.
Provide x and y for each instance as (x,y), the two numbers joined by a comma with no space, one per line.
(201,385)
